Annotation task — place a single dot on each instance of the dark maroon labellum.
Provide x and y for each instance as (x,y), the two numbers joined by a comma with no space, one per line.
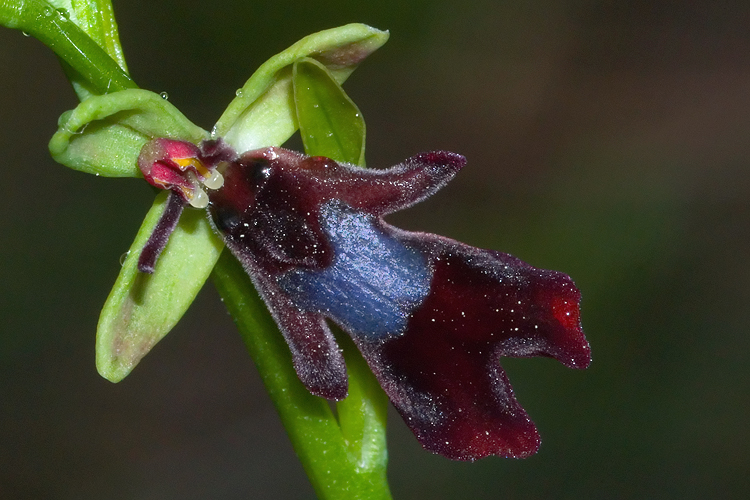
(431,316)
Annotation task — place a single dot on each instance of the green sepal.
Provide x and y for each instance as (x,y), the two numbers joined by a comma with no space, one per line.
(330,123)
(263,112)
(142,308)
(104,134)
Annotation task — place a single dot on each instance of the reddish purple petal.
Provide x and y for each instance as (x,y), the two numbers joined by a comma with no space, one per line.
(443,374)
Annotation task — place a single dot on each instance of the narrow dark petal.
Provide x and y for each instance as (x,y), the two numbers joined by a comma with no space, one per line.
(380,192)
(160,236)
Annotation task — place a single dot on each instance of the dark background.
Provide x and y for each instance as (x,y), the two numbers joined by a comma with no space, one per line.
(609,140)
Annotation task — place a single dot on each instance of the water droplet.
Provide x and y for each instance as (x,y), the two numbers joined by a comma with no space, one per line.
(164,96)
(63,13)
(25,34)
(239,93)
(123,257)
(315,106)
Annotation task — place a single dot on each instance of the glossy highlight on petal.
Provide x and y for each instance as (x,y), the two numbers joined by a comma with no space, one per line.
(373,284)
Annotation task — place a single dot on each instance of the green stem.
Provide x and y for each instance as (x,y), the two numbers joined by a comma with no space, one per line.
(100,73)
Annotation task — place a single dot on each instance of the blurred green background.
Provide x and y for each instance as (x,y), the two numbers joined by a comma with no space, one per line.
(609,140)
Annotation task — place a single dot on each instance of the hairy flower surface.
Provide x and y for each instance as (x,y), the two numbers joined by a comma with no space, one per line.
(431,316)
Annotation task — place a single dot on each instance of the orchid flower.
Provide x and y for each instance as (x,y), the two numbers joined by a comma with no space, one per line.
(429,315)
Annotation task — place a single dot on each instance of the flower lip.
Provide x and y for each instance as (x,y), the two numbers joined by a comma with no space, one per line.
(431,316)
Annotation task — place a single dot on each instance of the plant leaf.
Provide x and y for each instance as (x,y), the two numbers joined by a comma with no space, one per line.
(330,123)
(94,69)
(105,134)
(263,112)
(142,308)
(97,19)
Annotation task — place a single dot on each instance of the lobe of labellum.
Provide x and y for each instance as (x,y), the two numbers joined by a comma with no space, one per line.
(317,358)
(376,191)
(443,374)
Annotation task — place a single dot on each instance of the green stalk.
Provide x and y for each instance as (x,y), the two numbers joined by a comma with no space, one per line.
(95,69)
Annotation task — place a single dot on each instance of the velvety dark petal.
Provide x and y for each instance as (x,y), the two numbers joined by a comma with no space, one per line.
(160,236)
(315,180)
(383,191)
(443,374)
